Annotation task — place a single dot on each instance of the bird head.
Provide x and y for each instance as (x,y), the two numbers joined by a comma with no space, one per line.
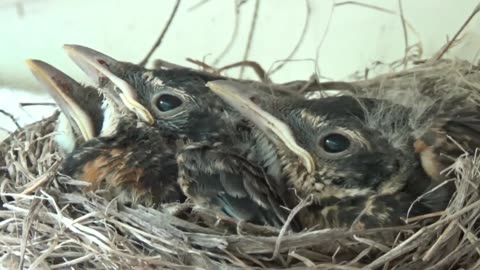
(334,147)
(82,115)
(134,160)
(175,100)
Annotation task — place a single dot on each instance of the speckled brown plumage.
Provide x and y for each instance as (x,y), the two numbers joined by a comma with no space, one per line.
(377,172)
(137,164)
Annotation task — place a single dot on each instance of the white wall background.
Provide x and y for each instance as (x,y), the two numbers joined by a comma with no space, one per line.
(356,36)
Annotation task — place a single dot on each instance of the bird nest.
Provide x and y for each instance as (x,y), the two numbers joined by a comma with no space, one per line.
(49,222)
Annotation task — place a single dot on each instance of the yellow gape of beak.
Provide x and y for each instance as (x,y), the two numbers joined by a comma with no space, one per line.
(233,94)
(94,64)
(60,87)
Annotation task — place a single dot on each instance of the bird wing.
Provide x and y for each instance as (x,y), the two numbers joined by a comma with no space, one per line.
(453,132)
(216,176)
(464,127)
(366,212)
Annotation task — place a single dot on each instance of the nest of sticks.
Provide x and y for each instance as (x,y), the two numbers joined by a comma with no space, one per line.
(48,222)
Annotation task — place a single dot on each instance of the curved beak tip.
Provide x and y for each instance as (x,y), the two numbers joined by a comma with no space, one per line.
(215,86)
(29,62)
(77,52)
(70,47)
(32,64)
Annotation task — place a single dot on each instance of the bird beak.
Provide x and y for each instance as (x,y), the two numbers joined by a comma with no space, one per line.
(236,95)
(99,66)
(62,88)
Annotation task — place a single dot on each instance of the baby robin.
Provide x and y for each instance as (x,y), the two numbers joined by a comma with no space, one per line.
(116,151)
(356,157)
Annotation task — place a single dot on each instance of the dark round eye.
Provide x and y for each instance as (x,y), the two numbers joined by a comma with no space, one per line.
(335,143)
(168,102)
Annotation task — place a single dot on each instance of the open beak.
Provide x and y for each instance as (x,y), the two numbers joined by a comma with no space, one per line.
(236,95)
(99,66)
(62,89)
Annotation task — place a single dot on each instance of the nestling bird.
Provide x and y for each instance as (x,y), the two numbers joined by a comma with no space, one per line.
(356,157)
(178,103)
(126,156)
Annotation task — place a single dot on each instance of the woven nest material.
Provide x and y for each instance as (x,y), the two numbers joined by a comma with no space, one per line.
(48,222)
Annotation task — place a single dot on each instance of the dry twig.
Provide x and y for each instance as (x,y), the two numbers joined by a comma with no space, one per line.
(162,35)
(445,49)
(9,115)
(250,35)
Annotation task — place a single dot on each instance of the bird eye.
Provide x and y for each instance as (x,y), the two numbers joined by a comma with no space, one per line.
(168,102)
(335,143)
